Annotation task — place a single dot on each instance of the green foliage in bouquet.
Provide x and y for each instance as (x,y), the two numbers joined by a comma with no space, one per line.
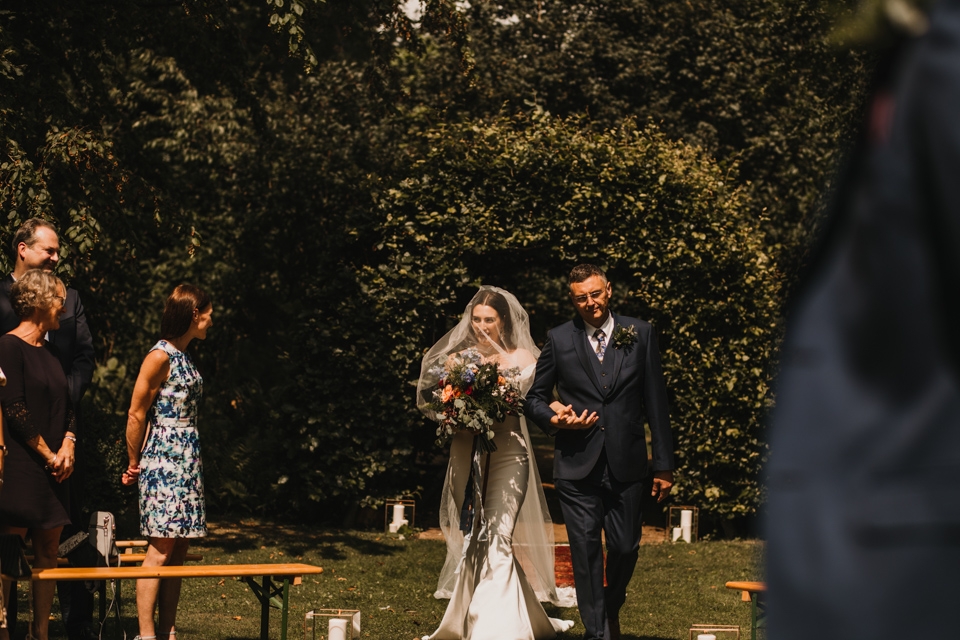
(471,396)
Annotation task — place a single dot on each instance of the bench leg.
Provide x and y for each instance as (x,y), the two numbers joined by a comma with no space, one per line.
(286,608)
(102,591)
(267,595)
(758,614)
(265,609)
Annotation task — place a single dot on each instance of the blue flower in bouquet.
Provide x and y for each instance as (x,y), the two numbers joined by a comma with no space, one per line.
(440,372)
(469,375)
(472,356)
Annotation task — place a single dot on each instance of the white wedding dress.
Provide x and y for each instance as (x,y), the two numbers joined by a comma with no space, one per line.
(496,575)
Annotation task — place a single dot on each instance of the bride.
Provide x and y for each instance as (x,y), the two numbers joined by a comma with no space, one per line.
(499,570)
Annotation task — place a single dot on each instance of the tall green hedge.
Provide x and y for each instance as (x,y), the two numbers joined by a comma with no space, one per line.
(341,219)
(517,202)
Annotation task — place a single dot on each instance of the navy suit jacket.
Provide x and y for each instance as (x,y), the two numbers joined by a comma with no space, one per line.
(633,389)
(72,343)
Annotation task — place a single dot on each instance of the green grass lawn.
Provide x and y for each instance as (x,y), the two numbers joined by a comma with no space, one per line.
(391,582)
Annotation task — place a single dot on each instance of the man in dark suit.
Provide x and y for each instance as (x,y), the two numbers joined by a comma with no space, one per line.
(36,246)
(864,475)
(606,370)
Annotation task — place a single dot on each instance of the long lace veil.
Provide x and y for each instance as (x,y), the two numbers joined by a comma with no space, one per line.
(533,535)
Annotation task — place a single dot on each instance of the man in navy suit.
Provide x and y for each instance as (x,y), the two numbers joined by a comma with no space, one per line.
(606,370)
(36,246)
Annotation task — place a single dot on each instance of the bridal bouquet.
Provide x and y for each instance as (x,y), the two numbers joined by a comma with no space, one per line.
(472,395)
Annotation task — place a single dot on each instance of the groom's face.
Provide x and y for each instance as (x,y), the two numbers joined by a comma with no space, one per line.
(591,298)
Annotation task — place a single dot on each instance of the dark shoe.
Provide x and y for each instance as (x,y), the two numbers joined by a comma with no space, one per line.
(614,625)
(81,634)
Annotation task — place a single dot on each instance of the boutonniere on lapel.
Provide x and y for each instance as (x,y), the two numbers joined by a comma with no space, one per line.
(624,336)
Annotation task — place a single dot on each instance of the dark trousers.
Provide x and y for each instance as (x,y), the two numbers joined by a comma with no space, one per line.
(76,601)
(601,502)
(76,607)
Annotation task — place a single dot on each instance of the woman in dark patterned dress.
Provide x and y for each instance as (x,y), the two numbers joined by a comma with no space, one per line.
(40,432)
(164,453)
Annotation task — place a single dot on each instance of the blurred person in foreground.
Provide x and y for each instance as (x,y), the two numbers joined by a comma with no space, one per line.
(163,448)
(864,474)
(40,437)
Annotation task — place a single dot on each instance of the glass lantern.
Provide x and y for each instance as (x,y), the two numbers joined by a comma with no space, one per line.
(682,523)
(396,514)
(331,624)
(715,632)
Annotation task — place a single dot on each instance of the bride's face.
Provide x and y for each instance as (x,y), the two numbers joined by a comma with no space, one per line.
(487,321)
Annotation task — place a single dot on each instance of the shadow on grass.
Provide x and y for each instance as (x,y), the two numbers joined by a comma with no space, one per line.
(239,535)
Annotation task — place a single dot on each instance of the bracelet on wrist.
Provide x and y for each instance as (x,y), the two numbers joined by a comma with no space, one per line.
(71,438)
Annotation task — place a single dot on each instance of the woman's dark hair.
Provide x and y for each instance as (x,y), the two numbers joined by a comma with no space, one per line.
(501,306)
(178,312)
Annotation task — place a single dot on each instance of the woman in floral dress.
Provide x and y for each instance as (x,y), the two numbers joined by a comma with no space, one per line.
(164,454)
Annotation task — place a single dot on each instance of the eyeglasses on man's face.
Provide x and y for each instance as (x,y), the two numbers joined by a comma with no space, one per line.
(593,295)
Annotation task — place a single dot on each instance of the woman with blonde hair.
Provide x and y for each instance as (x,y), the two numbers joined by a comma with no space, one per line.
(39,433)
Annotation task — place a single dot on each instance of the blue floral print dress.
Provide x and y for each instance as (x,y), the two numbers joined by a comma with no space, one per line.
(171,473)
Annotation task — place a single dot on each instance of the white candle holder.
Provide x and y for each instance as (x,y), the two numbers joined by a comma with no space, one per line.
(317,623)
(718,631)
(683,523)
(399,507)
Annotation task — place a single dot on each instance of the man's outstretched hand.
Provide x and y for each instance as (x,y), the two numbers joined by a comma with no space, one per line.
(567,418)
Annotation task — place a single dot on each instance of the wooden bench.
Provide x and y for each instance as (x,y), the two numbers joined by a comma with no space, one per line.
(266,591)
(137,558)
(754,593)
(128,558)
(128,545)
(125,558)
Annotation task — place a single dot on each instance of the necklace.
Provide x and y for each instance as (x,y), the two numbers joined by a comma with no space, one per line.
(28,335)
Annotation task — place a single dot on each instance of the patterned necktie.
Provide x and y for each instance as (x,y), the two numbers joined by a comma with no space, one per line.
(601,343)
